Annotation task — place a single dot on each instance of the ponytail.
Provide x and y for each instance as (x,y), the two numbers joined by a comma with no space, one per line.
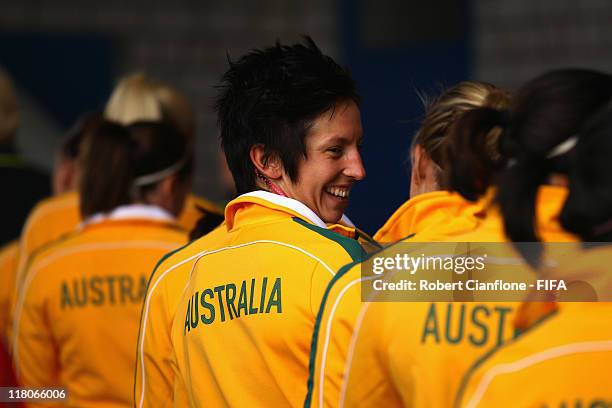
(546,116)
(471,153)
(122,165)
(106,161)
(546,113)
(447,143)
(161,151)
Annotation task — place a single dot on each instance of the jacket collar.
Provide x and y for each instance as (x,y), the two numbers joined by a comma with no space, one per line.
(131,212)
(417,214)
(272,201)
(424,212)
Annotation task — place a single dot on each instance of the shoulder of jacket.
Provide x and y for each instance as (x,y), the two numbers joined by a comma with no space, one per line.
(52,205)
(183,255)
(333,240)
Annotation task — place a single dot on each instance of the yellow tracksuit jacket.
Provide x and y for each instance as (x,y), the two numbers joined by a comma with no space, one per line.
(563,359)
(242,325)
(412,353)
(155,385)
(8,272)
(76,320)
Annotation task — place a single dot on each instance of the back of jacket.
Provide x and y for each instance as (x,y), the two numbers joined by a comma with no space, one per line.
(77,316)
(242,329)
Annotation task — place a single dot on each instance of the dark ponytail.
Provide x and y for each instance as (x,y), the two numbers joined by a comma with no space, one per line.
(546,112)
(161,151)
(106,159)
(122,165)
(71,142)
(471,153)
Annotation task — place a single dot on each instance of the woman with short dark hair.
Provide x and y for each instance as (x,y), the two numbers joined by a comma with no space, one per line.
(291,130)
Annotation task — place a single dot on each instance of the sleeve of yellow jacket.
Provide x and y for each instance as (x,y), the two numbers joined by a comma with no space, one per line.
(338,310)
(153,385)
(34,352)
(347,355)
(154,378)
(51,219)
(340,315)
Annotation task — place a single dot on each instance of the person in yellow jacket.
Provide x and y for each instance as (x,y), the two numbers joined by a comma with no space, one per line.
(430,203)
(76,320)
(406,354)
(563,355)
(437,336)
(233,312)
(135,98)
(63,180)
(434,215)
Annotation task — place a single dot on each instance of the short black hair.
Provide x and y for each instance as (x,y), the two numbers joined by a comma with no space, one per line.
(271,96)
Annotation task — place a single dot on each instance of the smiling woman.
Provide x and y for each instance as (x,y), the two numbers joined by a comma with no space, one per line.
(290,129)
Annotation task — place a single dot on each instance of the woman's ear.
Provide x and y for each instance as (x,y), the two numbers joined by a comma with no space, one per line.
(419,157)
(168,185)
(268,164)
(423,175)
(64,176)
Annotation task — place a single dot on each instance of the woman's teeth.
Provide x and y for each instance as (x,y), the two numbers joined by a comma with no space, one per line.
(338,191)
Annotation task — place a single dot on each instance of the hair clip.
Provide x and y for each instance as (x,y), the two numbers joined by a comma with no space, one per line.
(563,147)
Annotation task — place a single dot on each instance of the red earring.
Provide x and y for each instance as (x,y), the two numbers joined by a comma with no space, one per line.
(271,186)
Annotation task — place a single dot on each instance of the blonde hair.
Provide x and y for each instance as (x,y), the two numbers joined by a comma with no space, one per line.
(139,98)
(9,109)
(446,109)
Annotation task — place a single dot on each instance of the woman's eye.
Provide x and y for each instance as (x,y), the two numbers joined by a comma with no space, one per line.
(335,150)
